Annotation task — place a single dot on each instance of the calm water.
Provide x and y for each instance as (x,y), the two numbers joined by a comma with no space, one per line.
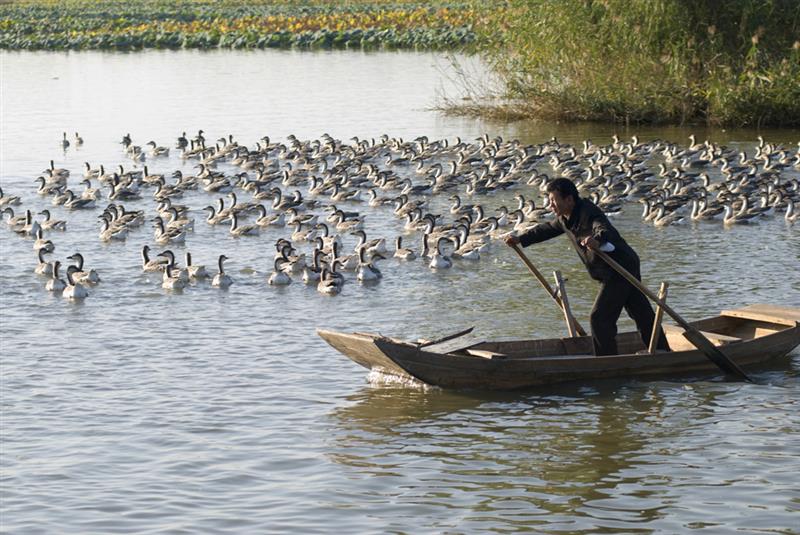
(212,411)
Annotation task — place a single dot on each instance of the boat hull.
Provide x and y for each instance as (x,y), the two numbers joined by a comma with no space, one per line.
(506,366)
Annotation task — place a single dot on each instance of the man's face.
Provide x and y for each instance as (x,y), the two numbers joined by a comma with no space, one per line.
(561,206)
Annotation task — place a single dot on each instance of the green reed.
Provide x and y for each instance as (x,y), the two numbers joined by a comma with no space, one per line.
(640,61)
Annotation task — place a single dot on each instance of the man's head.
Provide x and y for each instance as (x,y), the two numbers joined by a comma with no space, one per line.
(563,196)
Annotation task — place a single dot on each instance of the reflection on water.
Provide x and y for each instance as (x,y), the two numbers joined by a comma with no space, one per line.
(207,411)
(576,460)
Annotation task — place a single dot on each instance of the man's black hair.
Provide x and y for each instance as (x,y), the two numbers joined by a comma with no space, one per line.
(564,187)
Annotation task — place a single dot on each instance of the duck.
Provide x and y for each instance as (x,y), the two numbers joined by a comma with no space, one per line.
(111,233)
(465,250)
(171,280)
(175,270)
(213,217)
(157,151)
(76,203)
(196,272)
(313,272)
(149,264)
(47,188)
(736,218)
(57,173)
(374,200)
(8,200)
(270,220)
(122,217)
(290,263)
(326,238)
(221,279)
(90,172)
(55,284)
(245,230)
(367,271)
(278,276)
(439,260)
(74,289)
(303,235)
(344,225)
(702,212)
(330,282)
(89,192)
(43,267)
(375,246)
(178,220)
(52,224)
(664,219)
(164,235)
(401,252)
(347,262)
(60,196)
(305,219)
(15,222)
(81,275)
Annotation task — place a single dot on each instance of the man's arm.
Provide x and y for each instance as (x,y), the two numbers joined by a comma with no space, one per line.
(602,233)
(539,233)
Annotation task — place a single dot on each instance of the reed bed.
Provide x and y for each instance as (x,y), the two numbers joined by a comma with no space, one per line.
(644,61)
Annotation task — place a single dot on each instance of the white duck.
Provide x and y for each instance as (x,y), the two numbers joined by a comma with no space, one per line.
(439,260)
(221,279)
(74,289)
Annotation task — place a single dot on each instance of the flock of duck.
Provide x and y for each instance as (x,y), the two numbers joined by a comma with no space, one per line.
(321,190)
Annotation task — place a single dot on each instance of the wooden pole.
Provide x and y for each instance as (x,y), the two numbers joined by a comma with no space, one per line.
(562,292)
(693,335)
(546,285)
(662,295)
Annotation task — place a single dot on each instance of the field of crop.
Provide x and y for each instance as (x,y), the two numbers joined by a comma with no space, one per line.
(81,24)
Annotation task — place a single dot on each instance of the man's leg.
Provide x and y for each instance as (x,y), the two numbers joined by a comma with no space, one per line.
(605,313)
(638,308)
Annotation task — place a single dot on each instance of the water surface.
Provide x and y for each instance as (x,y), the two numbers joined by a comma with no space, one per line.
(211,411)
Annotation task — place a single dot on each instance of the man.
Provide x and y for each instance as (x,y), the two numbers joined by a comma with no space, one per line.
(589,230)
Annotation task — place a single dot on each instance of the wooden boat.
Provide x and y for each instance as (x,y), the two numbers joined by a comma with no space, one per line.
(748,336)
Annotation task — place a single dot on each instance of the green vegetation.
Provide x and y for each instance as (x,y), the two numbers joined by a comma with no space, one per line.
(137,24)
(657,61)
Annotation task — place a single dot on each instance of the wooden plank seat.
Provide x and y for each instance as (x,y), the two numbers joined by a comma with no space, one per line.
(677,342)
(486,354)
(767,313)
(453,346)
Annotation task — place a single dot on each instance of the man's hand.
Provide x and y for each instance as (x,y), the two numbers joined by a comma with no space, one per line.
(590,243)
(512,240)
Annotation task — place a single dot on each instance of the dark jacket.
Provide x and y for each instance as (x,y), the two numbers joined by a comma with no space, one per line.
(587,220)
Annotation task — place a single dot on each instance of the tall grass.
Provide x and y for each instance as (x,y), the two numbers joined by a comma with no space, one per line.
(657,61)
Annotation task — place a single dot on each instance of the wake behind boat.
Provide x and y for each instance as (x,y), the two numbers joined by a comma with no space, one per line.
(748,336)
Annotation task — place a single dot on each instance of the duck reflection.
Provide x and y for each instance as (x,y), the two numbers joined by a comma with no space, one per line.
(529,458)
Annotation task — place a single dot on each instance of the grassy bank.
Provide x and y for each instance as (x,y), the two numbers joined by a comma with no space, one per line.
(138,24)
(645,61)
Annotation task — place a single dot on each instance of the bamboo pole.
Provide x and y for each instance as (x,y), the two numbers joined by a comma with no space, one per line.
(562,292)
(662,295)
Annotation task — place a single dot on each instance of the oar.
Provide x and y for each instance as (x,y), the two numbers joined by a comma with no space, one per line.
(546,285)
(692,334)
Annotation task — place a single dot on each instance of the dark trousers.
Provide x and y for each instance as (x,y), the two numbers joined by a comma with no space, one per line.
(615,294)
